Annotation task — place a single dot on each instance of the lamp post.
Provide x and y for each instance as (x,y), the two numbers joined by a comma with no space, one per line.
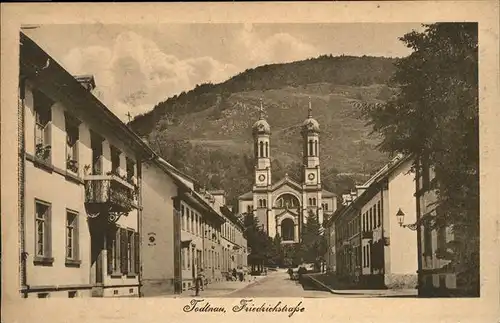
(401,216)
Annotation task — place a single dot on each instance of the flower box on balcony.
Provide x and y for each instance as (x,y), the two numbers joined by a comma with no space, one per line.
(109,191)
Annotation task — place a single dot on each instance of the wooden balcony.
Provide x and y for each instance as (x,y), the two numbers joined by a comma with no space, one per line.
(109,193)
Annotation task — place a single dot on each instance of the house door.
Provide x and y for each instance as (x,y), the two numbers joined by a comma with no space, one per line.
(96,253)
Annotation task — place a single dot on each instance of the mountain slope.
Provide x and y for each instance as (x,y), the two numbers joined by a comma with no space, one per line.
(206,132)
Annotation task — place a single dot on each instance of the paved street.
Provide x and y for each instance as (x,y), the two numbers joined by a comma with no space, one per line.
(278,284)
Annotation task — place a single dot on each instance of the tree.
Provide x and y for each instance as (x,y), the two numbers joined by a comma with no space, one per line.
(434,117)
(276,257)
(313,243)
(257,240)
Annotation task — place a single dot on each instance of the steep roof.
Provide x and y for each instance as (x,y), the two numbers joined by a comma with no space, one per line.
(246,196)
(325,193)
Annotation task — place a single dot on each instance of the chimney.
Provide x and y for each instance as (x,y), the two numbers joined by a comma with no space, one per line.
(87,81)
(219,196)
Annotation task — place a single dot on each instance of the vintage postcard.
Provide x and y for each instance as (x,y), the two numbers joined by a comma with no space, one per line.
(250,161)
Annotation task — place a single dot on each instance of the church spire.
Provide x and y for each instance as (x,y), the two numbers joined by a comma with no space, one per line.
(310,109)
(261,111)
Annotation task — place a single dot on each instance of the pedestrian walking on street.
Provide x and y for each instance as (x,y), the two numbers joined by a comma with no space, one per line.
(199,281)
(290,272)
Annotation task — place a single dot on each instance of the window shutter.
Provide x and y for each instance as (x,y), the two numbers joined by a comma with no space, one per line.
(109,250)
(76,249)
(136,252)
(123,251)
(48,232)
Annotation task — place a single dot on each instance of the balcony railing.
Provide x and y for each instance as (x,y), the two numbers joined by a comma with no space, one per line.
(110,192)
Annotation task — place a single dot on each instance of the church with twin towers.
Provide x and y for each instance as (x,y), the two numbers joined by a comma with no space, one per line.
(282,207)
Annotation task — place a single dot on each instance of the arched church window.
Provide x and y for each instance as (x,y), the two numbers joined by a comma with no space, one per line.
(310,147)
(249,209)
(267,149)
(264,203)
(310,201)
(261,149)
(315,148)
(287,230)
(314,201)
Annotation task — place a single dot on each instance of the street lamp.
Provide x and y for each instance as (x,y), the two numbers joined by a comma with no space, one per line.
(401,218)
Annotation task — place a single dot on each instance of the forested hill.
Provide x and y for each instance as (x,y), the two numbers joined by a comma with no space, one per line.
(206,132)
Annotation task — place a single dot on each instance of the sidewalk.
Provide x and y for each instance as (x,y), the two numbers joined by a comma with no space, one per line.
(368,292)
(223,288)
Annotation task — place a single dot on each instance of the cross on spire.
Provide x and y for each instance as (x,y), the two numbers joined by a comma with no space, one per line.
(129,116)
(310,109)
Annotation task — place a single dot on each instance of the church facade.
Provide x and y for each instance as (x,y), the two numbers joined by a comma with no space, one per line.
(282,207)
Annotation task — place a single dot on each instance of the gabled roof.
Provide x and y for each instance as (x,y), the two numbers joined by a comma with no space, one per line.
(286,211)
(325,193)
(246,196)
(286,180)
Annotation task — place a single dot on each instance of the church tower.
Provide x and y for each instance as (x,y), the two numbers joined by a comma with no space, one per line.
(261,135)
(311,176)
(262,195)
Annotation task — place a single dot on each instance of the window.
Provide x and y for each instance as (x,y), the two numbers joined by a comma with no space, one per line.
(249,209)
(379,212)
(72,245)
(72,294)
(311,148)
(267,149)
(314,201)
(188,222)
(130,170)
(261,149)
(43,120)
(96,143)
(43,248)
(43,295)
(441,237)
(192,222)
(371,219)
(113,247)
(115,161)
(72,137)
(326,206)
(188,257)
(183,218)
(133,252)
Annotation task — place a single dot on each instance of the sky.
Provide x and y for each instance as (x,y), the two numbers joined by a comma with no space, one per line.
(137,66)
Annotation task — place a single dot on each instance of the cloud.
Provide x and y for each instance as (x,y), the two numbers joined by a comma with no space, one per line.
(133,74)
(277,48)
